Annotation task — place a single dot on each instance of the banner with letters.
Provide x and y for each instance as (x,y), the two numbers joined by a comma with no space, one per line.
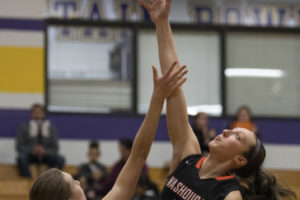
(237,13)
(190,11)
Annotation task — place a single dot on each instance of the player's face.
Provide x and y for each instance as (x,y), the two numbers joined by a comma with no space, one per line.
(37,113)
(233,142)
(77,192)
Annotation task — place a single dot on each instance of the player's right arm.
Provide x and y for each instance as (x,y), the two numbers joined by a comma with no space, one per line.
(183,139)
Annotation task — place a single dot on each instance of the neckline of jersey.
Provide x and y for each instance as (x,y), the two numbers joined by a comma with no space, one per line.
(218,178)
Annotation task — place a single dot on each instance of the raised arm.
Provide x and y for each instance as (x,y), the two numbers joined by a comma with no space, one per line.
(181,134)
(125,185)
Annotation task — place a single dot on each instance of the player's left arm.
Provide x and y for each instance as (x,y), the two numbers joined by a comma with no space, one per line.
(125,185)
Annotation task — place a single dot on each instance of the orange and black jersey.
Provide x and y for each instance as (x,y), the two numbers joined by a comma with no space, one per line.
(185,183)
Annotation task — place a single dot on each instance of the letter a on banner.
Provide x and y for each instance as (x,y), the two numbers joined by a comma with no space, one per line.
(94,10)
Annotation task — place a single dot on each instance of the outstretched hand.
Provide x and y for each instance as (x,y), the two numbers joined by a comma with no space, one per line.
(158,9)
(166,85)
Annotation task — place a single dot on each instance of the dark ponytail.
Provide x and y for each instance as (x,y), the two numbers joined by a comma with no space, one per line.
(257,184)
(265,186)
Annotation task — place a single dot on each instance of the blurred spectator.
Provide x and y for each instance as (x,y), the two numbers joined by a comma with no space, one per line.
(243,119)
(92,173)
(146,190)
(125,145)
(37,145)
(202,131)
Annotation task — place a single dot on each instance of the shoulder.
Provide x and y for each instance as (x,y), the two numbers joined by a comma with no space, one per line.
(190,159)
(24,125)
(50,125)
(228,186)
(193,156)
(234,195)
(84,165)
(23,128)
(232,124)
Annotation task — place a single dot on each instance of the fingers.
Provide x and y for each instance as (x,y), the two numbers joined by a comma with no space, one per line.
(179,74)
(171,69)
(179,84)
(155,73)
(169,3)
(177,79)
(145,5)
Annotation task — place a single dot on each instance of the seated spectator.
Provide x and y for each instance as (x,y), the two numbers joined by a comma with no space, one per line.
(146,190)
(203,133)
(37,145)
(243,119)
(125,145)
(92,173)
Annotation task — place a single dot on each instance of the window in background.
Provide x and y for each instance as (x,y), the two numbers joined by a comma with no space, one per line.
(200,52)
(263,72)
(89,69)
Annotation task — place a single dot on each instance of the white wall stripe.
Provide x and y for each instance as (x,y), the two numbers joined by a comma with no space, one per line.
(33,9)
(7,151)
(21,38)
(20,100)
(281,157)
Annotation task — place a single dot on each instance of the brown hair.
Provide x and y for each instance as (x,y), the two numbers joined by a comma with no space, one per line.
(37,105)
(199,114)
(94,144)
(50,186)
(259,185)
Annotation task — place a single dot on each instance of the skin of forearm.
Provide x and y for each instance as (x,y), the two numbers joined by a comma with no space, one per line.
(167,55)
(166,46)
(177,119)
(146,133)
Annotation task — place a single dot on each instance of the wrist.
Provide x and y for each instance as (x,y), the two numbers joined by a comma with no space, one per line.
(157,98)
(162,21)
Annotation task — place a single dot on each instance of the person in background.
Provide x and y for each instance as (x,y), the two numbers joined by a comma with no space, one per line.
(37,145)
(243,119)
(125,146)
(92,173)
(146,189)
(203,133)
